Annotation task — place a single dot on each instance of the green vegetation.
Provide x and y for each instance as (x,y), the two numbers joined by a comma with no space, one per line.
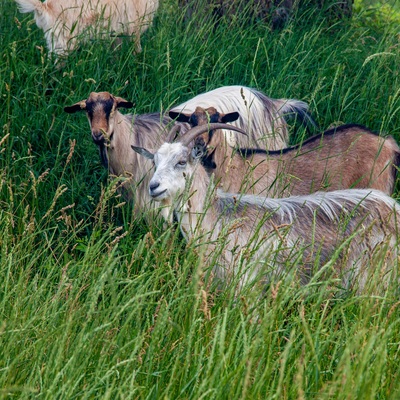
(382,13)
(96,304)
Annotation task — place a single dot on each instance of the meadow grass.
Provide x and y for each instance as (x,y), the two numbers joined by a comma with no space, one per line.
(95,303)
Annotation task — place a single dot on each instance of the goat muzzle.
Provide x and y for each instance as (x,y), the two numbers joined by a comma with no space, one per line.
(98,138)
(153,190)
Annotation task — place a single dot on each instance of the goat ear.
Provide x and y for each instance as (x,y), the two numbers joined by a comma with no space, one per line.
(230,117)
(179,116)
(143,152)
(121,103)
(76,107)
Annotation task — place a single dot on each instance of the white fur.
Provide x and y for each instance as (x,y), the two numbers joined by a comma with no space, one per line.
(345,200)
(64,20)
(312,226)
(263,118)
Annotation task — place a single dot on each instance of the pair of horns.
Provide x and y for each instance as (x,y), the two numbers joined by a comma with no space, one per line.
(193,133)
(189,136)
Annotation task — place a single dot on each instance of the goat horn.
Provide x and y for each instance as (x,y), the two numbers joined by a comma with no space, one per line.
(192,134)
(173,132)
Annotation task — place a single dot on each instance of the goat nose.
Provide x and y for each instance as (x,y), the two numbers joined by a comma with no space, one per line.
(154,186)
(97,136)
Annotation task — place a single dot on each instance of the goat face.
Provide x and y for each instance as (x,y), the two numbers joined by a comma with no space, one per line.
(203,116)
(100,110)
(172,168)
(176,163)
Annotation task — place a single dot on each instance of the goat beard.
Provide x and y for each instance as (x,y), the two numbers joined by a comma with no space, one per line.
(103,154)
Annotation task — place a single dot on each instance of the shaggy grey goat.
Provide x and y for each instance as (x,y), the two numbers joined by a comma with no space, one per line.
(360,224)
(349,156)
(262,117)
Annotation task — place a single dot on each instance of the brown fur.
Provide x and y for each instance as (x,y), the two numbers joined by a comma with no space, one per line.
(350,156)
(114,133)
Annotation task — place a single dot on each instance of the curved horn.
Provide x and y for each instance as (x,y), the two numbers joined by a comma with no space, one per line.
(192,134)
(174,131)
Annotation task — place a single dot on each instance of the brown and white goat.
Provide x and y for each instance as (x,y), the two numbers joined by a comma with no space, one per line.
(262,117)
(64,20)
(261,237)
(349,156)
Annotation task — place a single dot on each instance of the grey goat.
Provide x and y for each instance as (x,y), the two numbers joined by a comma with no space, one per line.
(359,223)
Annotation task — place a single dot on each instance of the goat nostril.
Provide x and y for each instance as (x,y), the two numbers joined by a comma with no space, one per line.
(154,185)
(97,136)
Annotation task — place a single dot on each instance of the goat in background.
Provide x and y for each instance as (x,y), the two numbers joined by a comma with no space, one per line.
(348,156)
(64,20)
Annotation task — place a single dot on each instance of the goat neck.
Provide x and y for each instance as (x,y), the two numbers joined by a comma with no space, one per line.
(197,204)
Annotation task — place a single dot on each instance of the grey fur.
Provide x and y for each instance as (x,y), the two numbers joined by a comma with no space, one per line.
(269,232)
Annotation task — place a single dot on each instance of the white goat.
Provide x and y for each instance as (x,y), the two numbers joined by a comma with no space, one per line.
(64,20)
(362,224)
(262,117)
(349,156)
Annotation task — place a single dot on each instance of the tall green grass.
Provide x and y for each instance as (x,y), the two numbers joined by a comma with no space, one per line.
(95,303)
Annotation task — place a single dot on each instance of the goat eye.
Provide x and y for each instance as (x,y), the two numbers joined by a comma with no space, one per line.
(181,163)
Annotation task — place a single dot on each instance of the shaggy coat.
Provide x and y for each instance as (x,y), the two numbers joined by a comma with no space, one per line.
(64,20)
(262,117)
(262,236)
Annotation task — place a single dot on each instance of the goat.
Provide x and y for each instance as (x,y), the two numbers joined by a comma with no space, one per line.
(359,223)
(349,156)
(114,132)
(262,117)
(64,20)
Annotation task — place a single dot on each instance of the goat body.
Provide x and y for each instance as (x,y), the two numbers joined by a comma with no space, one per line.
(349,156)
(262,117)
(268,232)
(64,20)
